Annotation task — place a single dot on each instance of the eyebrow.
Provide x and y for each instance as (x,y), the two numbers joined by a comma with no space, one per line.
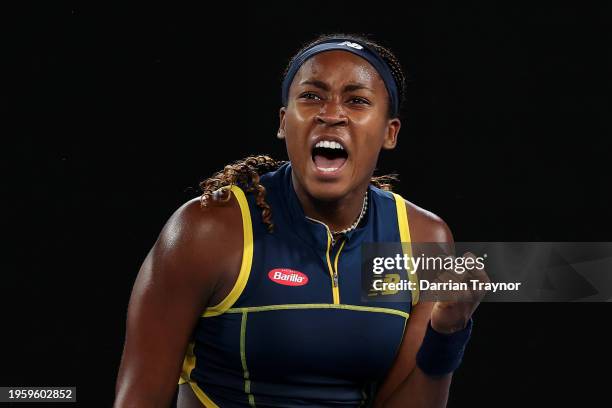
(325,87)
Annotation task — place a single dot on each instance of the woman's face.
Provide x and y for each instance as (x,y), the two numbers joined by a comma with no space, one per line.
(335,124)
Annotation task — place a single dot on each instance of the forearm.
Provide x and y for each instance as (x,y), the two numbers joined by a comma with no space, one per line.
(427,385)
(420,390)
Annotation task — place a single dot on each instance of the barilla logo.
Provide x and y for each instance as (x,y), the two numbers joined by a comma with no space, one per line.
(288,277)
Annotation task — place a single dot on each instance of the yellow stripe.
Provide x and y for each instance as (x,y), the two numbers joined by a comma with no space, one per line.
(338,255)
(245,370)
(247,258)
(188,364)
(299,306)
(404,229)
(204,399)
(336,269)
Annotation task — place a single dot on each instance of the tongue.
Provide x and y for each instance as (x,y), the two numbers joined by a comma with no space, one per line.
(327,163)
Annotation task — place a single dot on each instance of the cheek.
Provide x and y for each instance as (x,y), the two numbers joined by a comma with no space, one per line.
(296,130)
(298,116)
(292,148)
(295,124)
(370,144)
(374,133)
(293,140)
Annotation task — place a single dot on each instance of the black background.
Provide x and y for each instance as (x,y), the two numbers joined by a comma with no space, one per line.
(120,111)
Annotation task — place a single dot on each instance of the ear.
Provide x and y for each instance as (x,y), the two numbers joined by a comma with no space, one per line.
(281,126)
(393,128)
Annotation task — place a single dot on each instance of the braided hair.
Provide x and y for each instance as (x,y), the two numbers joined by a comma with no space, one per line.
(246,172)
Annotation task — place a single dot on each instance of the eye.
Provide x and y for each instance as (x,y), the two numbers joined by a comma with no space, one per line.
(359,101)
(310,96)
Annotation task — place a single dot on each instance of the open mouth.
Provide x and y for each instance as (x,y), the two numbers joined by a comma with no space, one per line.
(329,156)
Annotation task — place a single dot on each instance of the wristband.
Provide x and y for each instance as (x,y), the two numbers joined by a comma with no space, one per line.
(441,353)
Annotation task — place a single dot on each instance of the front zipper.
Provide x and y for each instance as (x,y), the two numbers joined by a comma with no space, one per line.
(333,270)
(335,279)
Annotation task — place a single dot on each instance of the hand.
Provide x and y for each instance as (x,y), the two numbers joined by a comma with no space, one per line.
(452,315)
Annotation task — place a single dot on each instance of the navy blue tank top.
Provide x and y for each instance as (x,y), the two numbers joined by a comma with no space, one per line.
(294,331)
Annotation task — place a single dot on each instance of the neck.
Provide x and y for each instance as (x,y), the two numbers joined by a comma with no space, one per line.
(338,214)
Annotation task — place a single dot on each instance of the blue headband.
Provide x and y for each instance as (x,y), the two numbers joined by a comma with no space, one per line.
(345,45)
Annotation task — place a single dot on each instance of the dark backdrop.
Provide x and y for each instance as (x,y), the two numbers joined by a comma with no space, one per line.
(120,111)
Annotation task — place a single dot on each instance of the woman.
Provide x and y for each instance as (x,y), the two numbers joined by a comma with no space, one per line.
(262,285)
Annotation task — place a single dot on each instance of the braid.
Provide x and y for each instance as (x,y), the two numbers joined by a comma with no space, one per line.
(384,182)
(244,173)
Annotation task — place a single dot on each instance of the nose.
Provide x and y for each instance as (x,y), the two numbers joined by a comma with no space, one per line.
(331,114)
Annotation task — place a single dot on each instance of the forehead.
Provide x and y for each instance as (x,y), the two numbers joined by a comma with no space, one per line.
(339,67)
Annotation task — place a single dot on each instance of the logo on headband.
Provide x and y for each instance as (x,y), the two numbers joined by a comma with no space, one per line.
(352,45)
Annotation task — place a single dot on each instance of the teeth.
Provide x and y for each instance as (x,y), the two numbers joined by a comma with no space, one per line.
(329,145)
(328,169)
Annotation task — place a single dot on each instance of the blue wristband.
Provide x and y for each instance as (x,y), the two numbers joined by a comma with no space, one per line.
(441,353)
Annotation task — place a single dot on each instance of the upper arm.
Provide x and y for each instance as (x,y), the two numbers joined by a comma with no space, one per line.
(174,285)
(425,227)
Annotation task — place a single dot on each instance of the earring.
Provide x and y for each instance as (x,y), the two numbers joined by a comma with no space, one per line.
(280,134)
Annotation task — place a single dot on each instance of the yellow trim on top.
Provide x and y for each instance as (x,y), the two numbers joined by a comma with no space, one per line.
(247,258)
(338,256)
(299,306)
(204,399)
(188,364)
(404,229)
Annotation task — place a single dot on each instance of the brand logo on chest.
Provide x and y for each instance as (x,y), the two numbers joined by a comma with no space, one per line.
(287,277)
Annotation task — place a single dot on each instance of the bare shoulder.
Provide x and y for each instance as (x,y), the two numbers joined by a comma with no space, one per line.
(200,244)
(426,226)
(193,224)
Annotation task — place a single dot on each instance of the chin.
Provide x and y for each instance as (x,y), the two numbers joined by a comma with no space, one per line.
(327,189)
(326,193)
